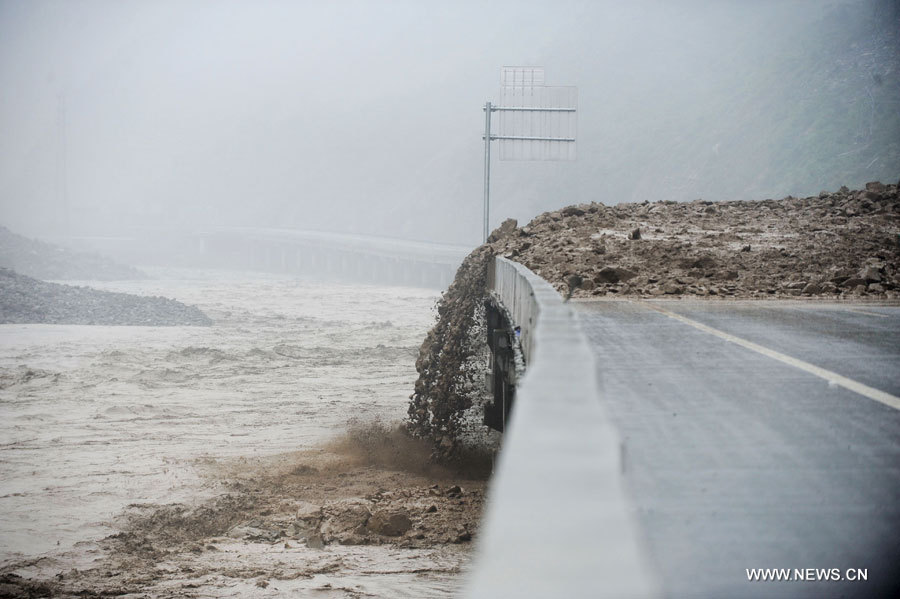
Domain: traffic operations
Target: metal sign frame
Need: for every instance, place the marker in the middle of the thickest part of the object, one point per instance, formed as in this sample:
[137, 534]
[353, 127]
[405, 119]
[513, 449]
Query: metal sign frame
[520, 78]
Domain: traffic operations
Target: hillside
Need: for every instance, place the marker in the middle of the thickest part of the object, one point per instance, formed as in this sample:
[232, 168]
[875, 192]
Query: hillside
[42, 260]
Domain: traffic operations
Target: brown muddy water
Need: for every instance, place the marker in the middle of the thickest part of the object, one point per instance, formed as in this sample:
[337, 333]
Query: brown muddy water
[239, 460]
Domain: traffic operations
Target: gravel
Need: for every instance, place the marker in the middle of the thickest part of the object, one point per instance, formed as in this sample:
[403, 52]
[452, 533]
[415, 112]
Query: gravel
[27, 300]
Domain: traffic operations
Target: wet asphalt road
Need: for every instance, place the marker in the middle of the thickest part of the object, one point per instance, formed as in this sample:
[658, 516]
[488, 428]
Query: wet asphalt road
[738, 459]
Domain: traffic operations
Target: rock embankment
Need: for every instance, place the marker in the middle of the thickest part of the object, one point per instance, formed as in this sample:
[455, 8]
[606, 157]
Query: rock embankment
[27, 300]
[844, 244]
[451, 376]
[43, 260]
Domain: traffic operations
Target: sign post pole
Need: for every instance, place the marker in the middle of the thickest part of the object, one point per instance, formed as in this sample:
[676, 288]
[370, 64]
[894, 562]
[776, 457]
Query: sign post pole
[487, 168]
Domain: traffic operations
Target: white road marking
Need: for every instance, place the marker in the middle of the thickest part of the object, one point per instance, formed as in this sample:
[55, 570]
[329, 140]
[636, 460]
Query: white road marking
[858, 311]
[807, 308]
[833, 378]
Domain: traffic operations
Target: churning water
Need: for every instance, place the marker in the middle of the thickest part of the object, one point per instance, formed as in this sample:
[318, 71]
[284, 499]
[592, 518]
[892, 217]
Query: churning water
[93, 419]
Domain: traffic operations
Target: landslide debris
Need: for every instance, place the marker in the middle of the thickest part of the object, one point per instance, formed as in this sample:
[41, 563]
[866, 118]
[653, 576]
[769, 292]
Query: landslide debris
[281, 518]
[837, 245]
[27, 300]
[451, 373]
[840, 245]
[43, 260]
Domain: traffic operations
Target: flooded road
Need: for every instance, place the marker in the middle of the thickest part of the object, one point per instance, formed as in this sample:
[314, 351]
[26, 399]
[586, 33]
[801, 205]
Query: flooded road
[95, 419]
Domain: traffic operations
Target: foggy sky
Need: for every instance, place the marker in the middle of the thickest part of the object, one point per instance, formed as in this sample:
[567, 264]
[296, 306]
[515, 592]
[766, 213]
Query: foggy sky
[362, 116]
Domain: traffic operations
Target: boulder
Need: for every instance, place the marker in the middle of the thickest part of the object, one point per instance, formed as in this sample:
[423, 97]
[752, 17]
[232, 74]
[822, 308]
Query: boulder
[672, 288]
[344, 517]
[462, 535]
[308, 518]
[853, 282]
[811, 289]
[614, 274]
[308, 511]
[573, 282]
[870, 274]
[389, 524]
[573, 211]
[505, 228]
[252, 531]
[454, 491]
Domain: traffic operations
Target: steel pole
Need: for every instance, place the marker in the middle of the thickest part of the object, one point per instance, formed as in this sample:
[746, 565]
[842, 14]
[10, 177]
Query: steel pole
[487, 167]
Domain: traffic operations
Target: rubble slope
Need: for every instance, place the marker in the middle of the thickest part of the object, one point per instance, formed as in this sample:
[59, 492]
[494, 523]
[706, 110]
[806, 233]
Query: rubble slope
[844, 244]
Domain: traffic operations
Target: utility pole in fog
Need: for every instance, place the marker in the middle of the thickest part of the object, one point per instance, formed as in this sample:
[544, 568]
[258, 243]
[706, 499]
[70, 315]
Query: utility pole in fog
[536, 122]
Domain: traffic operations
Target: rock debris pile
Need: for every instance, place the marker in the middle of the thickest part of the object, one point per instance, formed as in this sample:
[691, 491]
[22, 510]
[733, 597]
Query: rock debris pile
[27, 300]
[844, 244]
[281, 519]
[451, 371]
[413, 517]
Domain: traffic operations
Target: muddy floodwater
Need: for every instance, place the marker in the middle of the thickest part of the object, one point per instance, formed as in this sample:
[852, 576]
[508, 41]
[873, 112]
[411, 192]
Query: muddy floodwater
[176, 461]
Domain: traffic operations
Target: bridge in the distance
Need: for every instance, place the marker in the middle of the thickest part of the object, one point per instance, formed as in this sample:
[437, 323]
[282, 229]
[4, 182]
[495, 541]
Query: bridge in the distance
[341, 256]
[314, 254]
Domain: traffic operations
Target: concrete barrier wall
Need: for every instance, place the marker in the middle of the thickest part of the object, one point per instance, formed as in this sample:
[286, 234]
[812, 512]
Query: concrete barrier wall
[558, 521]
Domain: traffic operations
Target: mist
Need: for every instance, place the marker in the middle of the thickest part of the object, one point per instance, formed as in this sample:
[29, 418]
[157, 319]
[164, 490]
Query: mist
[255, 336]
[365, 117]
